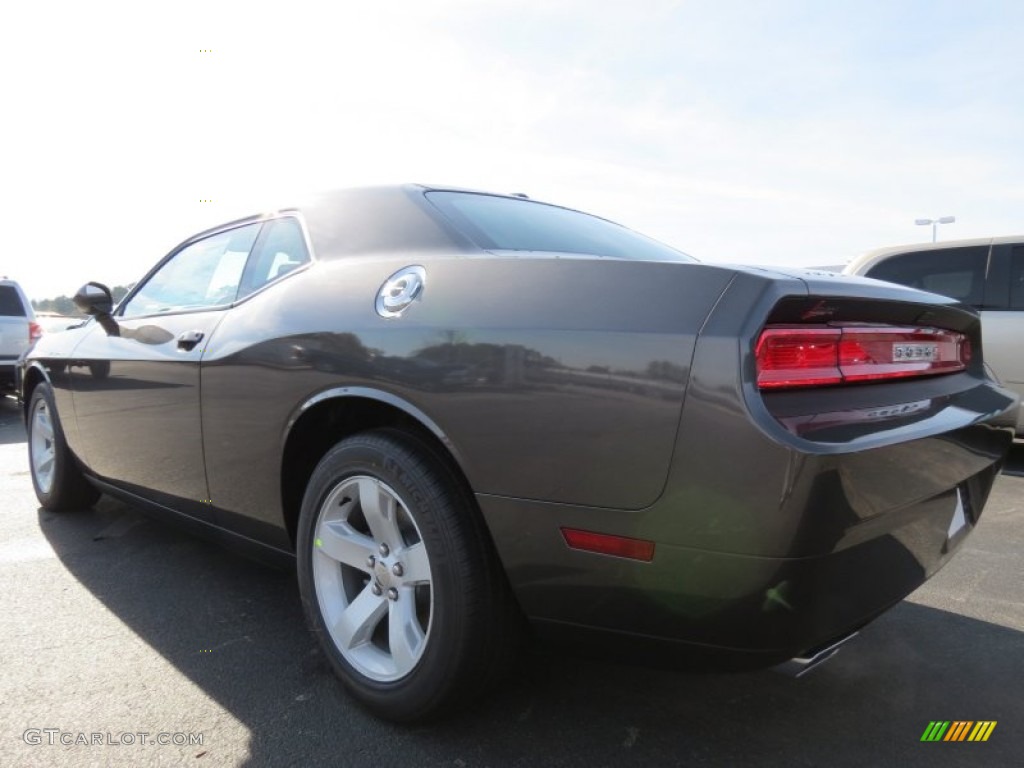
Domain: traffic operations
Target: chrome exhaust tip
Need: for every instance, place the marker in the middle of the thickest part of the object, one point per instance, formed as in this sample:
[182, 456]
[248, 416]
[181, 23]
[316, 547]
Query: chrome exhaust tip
[799, 666]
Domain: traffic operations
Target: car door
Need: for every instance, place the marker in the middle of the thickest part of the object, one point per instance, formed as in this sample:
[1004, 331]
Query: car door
[135, 377]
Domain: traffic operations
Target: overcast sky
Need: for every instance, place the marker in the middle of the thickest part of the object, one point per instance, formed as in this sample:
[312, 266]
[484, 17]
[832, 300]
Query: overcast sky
[772, 132]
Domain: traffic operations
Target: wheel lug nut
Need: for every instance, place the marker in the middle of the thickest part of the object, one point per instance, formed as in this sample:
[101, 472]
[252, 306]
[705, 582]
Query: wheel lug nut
[384, 550]
[392, 594]
[376, 589]
[371, 561]
[397, 569]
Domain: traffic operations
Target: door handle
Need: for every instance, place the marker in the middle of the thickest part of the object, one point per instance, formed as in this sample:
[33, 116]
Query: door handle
[189, 339]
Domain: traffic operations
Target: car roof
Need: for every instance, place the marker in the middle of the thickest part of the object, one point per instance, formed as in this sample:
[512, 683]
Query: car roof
[865, 261]
[348, 221]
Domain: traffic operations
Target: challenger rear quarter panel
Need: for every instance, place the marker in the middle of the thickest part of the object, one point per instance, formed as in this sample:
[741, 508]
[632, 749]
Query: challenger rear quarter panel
[553, 379]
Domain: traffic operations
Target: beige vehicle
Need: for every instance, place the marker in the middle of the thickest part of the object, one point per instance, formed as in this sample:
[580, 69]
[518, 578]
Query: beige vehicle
[986, 273]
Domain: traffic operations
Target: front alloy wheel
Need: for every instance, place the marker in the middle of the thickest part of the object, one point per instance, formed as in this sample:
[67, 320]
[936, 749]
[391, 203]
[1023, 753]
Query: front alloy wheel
[56, 477]
[398, 578]
[42, 445]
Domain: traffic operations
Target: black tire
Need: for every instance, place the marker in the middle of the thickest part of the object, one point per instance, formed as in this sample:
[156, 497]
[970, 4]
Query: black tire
[59, 484]
[473, 629]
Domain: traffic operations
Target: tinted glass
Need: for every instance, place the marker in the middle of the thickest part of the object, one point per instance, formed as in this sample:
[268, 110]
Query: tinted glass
[955, 272]
[1017, 278]
[280, 249]
[204, 274]
[502, 223]
[10, 302]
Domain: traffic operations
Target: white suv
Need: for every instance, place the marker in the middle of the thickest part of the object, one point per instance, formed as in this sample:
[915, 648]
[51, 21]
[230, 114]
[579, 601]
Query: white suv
[986, 273]
[18, 330]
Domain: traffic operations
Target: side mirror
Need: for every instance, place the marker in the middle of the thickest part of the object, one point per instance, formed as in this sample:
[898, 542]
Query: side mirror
[94, 299]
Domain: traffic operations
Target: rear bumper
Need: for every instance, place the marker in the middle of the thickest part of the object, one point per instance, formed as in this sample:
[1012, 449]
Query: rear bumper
[841, 558]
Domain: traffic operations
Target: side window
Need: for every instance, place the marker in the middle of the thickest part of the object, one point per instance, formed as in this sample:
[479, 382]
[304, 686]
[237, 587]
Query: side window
[955, 272]
[204, 274]
[1017, 278]
[280, 249]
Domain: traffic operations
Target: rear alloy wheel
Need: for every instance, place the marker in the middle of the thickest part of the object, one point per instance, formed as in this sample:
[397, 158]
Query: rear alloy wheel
[398, 579]
[372, 578]
[56, 477]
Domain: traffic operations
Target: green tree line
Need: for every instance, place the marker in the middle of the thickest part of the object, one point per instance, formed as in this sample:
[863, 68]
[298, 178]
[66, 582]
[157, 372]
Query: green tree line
[63, 305]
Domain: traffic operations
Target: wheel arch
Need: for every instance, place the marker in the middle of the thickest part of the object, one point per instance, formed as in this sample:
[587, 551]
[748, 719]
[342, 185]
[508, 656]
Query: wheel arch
[33, 376]
[329, 417]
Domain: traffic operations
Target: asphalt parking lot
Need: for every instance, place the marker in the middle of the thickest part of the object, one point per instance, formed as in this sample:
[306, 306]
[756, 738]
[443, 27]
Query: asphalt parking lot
[115, 624]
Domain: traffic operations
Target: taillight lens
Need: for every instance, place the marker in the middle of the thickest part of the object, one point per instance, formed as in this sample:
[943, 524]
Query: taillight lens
[35, 331]
[811, 356]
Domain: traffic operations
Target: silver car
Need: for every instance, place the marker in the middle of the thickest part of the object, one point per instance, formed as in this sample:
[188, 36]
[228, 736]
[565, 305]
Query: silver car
[985, 273]
[18, 330]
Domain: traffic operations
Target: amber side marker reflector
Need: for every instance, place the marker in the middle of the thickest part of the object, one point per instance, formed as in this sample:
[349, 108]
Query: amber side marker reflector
[606, 544]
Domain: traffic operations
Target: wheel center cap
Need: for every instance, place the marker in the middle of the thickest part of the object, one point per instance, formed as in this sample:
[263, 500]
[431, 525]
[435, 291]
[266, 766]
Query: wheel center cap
[382, 573]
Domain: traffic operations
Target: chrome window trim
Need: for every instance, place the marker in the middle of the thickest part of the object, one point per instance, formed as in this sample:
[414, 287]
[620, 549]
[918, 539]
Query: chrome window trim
[213, 232]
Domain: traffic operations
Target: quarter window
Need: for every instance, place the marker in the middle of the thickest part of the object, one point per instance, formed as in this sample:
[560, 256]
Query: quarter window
[204, 274]
[955, 272]
[280, 249]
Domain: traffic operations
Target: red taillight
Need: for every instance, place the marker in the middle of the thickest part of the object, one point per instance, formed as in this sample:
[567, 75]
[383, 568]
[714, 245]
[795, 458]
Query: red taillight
[801, 356]
[606, 544]
[35, 331]
[798, 357]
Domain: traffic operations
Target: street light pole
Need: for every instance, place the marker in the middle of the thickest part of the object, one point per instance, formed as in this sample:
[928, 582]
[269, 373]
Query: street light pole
[935, 223]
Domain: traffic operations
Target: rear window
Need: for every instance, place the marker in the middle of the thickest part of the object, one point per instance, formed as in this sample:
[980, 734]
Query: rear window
[955, 272]
[510, 224]
[10, 302]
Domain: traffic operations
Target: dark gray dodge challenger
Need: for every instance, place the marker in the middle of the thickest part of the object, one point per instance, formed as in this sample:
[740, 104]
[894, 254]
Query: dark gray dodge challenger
[453, 411]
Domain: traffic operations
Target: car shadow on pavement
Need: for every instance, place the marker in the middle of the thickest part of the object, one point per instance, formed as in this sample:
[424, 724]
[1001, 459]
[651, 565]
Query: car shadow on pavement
[12, 425]
[868, 706]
